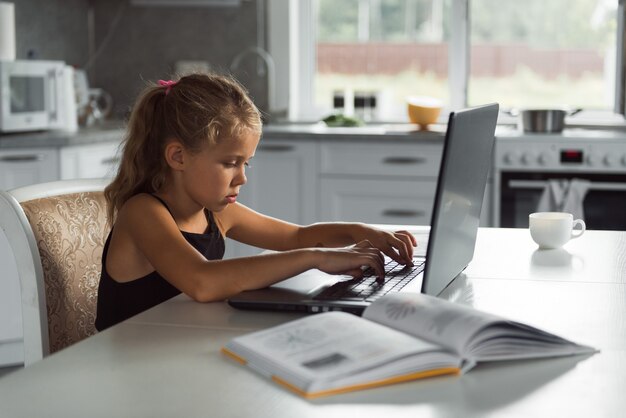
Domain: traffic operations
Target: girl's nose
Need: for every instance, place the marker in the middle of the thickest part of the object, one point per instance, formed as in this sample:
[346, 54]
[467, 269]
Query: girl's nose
[240, 179]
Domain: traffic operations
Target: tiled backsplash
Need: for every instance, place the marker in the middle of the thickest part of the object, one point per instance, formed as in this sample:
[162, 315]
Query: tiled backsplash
[144, 45]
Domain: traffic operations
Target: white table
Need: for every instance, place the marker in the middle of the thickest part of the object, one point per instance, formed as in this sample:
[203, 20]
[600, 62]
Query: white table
[166, 361]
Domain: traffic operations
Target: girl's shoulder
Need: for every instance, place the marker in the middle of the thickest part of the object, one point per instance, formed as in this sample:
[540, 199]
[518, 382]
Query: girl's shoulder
[234, 215]
[140, 201]
[141, 216]
[141, 205]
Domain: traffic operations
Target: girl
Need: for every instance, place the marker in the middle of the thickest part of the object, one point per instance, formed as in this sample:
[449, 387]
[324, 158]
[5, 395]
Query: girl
[174, 199]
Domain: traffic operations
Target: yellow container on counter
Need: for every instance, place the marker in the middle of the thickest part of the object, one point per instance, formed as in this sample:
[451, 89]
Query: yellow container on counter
[423, 111]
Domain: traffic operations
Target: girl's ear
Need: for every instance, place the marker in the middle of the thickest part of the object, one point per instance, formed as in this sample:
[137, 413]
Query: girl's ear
[175, 155]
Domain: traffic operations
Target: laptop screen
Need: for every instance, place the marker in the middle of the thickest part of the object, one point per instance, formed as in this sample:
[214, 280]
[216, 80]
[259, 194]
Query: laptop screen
[459, 198]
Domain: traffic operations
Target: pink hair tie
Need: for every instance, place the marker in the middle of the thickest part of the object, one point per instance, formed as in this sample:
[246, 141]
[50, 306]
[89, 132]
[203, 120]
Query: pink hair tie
[168, 84]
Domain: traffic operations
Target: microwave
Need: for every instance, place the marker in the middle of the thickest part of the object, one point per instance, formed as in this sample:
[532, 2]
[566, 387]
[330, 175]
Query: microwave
[34, 95]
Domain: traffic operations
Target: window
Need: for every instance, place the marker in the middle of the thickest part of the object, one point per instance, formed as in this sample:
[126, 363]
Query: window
[371, 55]
[366, 56]
[539, 53]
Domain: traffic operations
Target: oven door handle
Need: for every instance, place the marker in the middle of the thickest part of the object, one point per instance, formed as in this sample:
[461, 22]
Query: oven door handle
[541, 184]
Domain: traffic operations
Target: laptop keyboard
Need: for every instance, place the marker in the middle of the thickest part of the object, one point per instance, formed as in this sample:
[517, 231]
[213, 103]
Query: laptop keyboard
[369, 287]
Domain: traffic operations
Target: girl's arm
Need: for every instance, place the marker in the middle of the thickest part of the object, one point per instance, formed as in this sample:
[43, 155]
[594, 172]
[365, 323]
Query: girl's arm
[245, 225]
[147, 224]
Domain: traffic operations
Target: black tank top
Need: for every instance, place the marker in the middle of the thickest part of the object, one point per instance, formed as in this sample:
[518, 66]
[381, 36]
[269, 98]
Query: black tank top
[119, 301]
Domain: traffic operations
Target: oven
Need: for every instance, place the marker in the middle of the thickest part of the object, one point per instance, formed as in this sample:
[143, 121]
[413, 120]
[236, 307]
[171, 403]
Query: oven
[524, 166]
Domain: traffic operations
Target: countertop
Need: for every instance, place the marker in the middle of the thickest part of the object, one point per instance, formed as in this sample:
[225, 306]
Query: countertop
[115, 130]
[407, 133]
[395, 132]
[167, 362]
[107, 132]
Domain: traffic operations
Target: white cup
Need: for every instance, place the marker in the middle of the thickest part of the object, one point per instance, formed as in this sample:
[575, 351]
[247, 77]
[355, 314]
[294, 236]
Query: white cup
[553, 229]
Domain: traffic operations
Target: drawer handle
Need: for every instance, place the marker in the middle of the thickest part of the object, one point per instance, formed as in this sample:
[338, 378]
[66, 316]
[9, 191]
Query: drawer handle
[111, 161]
[276, 148]
[404, 213]
[404, 160]
[22, 158]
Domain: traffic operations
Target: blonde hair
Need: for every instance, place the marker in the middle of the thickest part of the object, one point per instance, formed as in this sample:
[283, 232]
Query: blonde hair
[197, 110]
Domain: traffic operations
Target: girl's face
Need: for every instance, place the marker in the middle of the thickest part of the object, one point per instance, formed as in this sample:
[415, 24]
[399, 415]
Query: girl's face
[214, 176]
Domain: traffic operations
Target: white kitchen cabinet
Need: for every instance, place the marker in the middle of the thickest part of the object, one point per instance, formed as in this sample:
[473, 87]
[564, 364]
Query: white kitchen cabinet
[380, 160]
[390, 183]
[21, 167]
[282, 183]
[90, 161]
[393, 183]
[378, 201]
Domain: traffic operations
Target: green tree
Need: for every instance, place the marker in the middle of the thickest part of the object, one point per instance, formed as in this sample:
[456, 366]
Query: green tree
[539, 23]
[543, 23]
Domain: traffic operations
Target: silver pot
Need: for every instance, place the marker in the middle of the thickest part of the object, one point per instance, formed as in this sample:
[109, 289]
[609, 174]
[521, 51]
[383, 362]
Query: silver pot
[544, 120]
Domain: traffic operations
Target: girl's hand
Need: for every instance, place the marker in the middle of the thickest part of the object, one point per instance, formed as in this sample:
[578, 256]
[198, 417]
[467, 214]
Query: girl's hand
[397, 245]
[350, 260]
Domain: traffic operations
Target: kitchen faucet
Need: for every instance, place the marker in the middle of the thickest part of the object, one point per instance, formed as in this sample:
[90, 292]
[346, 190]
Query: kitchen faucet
[271, 71]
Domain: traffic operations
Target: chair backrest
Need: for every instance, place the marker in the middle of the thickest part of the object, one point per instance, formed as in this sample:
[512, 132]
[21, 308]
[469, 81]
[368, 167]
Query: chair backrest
[57, 232]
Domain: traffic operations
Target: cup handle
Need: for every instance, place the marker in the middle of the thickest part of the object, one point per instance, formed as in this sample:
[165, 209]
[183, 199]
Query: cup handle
[583, 227]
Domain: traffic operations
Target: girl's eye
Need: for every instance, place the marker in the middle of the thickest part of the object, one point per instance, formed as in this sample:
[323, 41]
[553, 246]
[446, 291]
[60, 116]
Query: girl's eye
[235, 164]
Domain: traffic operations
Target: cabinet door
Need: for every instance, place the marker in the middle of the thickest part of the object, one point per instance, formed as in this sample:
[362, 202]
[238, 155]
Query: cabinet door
[376, 159]
[378, 201]
[282, 183]
[90, 161]
[24, 167]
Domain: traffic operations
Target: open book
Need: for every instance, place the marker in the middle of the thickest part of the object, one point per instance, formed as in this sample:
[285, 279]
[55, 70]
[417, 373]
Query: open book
[400, 337]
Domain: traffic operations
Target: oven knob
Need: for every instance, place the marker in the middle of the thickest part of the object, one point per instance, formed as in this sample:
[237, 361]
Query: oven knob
[593, 159]
[510, 157]
[610, 160]
[545, 158]
[528, 158]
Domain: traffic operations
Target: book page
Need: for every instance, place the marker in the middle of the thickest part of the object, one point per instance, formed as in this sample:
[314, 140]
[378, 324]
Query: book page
[436, 320]
[506, 340]
[326, 346]
[473, 335]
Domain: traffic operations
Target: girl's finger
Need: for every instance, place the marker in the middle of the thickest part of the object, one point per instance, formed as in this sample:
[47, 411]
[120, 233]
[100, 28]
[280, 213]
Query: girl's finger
[408, 240]
[391, 253]
[356, 273]
[403, 249]
[367, 262]
[410, 236]
[377, 265]
[363, 244]
[375, 251]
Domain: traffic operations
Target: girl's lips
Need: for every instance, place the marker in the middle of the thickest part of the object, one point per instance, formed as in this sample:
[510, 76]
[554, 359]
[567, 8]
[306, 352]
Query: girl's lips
[232, 198]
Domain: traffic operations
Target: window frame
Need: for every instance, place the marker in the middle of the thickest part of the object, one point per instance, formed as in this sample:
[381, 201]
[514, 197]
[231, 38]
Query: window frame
[296, 19]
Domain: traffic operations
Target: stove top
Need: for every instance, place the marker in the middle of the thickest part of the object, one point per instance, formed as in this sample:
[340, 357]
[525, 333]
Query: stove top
[573, 150]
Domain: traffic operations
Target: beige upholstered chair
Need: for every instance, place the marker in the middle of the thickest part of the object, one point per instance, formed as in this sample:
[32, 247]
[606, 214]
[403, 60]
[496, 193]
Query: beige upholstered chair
[57, 231]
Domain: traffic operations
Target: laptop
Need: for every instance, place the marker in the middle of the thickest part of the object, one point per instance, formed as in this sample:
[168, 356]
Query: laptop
[465, 163]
